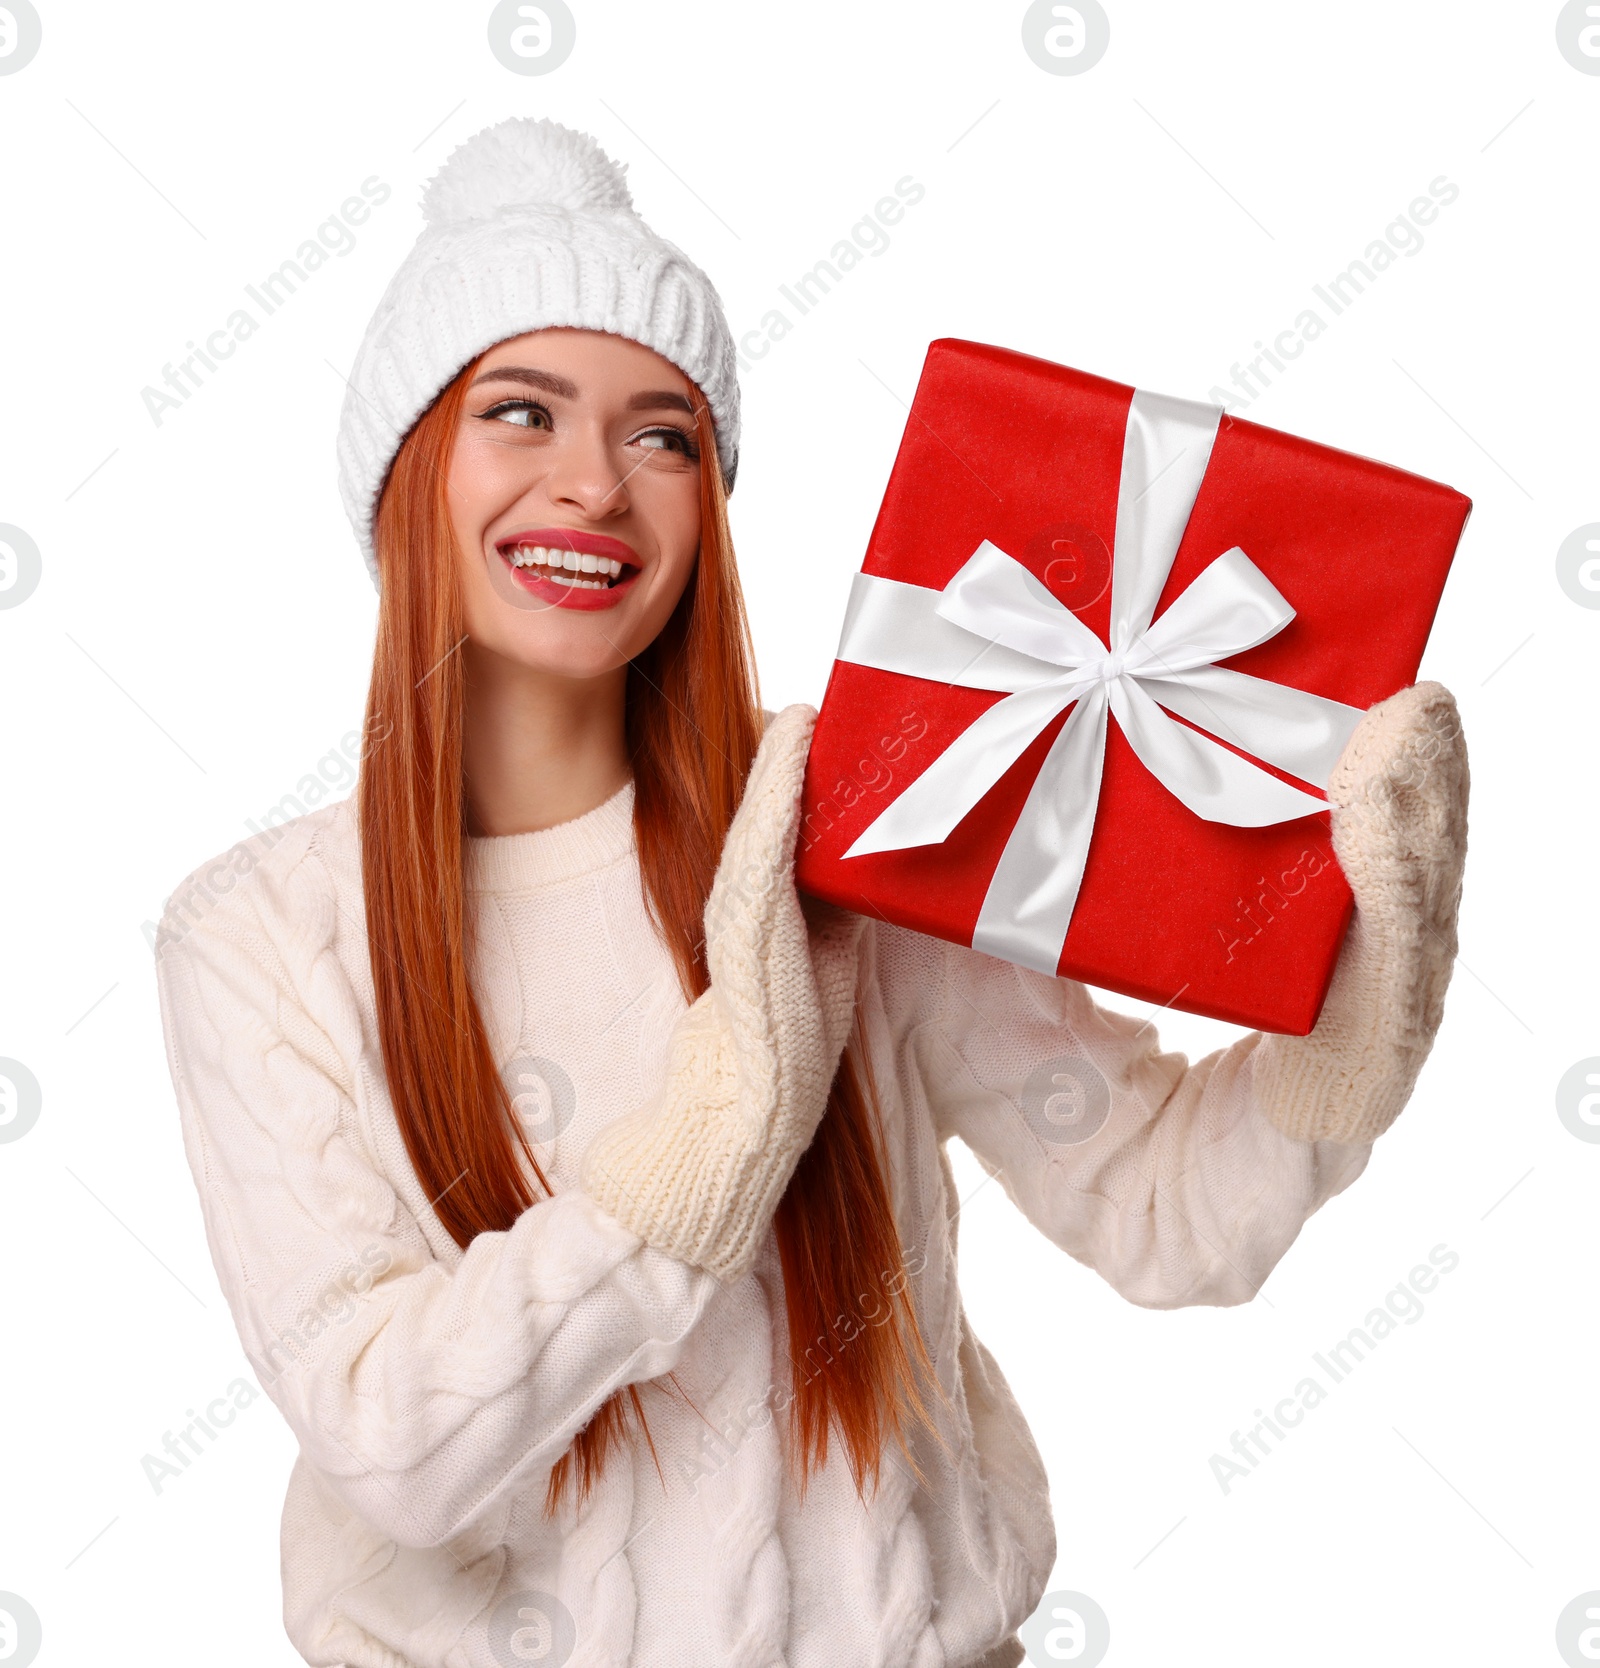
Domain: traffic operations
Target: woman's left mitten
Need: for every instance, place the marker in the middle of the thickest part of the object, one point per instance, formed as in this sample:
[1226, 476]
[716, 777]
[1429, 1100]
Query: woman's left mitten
[1400, 833]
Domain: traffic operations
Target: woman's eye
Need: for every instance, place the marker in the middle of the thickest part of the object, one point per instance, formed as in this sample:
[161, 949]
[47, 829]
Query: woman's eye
[522, 414]
[668, 439]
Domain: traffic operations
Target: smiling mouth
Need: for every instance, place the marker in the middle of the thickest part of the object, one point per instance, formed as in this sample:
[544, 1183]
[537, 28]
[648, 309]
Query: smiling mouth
[573, 569]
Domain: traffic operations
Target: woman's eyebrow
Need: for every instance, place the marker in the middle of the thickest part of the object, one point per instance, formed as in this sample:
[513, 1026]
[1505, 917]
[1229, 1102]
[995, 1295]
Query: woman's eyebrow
[547, 380]
[657, 398]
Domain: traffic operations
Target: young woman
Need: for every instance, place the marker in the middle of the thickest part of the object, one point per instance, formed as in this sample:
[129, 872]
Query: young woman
[579, 1192]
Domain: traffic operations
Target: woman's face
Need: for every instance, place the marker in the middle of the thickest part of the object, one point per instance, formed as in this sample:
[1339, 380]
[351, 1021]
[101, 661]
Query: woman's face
[575, 499]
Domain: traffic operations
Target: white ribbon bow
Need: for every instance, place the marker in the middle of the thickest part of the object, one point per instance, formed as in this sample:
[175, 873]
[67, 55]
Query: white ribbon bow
[995, 626]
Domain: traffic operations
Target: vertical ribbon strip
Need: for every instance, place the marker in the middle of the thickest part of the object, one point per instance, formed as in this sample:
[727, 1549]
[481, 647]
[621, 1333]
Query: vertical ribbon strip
[996, 627]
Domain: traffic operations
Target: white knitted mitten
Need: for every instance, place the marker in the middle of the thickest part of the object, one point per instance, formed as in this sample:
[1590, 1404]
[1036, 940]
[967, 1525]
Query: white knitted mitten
[1400, 834]
[699, 1171]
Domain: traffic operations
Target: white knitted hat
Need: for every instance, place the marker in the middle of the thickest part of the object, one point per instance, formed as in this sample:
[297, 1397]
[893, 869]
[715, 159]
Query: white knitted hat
[529, 225]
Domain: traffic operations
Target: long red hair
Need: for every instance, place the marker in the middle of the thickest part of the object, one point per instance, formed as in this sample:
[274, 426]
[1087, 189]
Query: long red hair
[693, 725]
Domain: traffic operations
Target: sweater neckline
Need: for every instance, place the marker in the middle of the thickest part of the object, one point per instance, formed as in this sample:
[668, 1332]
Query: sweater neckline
[515, 862]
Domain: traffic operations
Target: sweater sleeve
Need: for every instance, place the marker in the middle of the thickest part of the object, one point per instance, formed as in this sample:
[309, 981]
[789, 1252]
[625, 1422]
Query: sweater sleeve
[426, 1395]
[1166, 1178]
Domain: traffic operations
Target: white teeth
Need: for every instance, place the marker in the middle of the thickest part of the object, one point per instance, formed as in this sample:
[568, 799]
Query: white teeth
[566, 562]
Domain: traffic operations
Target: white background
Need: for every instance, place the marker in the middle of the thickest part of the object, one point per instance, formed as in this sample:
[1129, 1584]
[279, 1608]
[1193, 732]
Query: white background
[201, 635]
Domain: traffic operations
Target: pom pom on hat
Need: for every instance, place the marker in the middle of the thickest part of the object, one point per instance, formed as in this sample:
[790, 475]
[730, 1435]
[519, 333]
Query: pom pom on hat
[529, 226]
[521, 166]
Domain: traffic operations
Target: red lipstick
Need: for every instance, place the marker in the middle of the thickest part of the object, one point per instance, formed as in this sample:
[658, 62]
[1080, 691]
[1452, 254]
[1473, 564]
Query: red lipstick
[569, 538]
[562, 592]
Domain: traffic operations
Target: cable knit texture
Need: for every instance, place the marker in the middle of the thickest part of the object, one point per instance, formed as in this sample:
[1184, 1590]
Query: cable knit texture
[528, 225]
[1400, 834]
[751, 1061]
[432, 1389]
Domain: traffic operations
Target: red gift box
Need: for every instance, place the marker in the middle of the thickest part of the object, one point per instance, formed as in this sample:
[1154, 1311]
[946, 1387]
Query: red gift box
[1015, 480]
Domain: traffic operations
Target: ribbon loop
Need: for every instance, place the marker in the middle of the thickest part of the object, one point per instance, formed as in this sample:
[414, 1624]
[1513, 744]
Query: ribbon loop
[994, 596]
[1231, 607]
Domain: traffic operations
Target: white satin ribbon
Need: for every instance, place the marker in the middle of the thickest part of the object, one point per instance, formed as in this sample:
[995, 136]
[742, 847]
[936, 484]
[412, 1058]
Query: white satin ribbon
[995, 626]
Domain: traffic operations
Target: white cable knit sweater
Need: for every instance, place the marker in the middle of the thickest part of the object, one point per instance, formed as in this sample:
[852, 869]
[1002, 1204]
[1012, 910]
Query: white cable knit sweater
[432, 1389]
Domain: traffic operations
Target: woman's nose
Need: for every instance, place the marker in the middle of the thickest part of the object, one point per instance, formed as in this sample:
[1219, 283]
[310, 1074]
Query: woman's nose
[585, 473]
